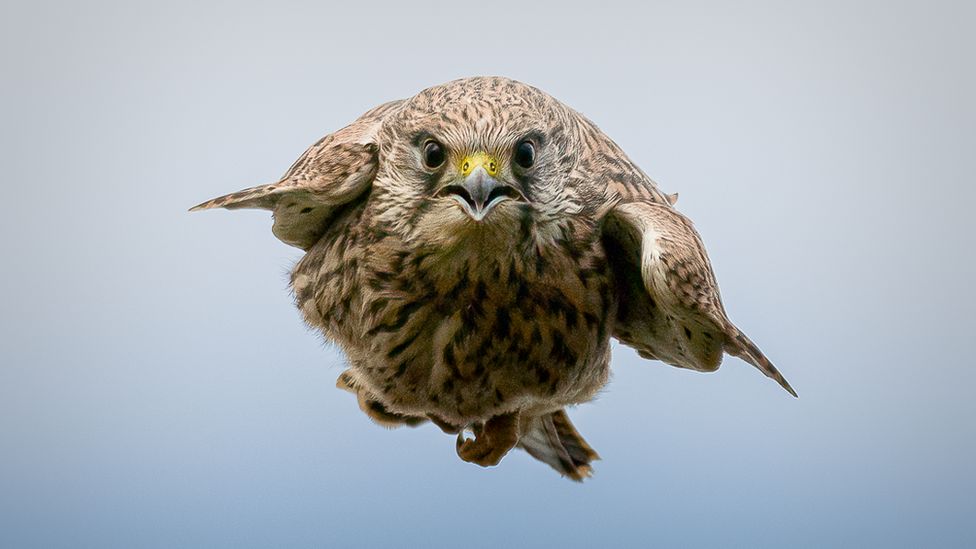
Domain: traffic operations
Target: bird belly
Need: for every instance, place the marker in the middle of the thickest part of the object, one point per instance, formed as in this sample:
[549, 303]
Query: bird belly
[469, 362]
[463, 352]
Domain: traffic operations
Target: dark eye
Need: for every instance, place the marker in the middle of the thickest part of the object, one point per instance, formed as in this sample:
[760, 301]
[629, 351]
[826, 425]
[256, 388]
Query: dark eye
[433, 154]
[525, 154]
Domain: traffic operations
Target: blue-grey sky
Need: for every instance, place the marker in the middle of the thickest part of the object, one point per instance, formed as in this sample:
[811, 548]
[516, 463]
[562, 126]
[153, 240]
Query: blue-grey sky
[158, 388]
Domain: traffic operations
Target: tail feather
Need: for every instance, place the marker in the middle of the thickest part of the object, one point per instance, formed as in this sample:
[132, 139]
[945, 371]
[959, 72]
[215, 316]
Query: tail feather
[743, 347]
[552, 439]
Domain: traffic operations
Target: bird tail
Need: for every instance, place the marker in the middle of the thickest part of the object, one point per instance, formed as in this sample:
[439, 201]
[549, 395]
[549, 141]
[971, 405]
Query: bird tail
[741, 346]
[552, 439]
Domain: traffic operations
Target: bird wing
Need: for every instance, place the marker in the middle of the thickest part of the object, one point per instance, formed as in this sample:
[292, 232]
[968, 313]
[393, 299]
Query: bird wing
[333, 172]
[670, 308]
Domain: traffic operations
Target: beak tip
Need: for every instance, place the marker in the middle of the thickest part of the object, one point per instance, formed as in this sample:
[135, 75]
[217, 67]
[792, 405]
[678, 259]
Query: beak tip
[480, 185]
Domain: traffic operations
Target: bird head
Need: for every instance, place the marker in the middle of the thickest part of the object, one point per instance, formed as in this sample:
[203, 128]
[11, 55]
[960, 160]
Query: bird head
[480, 157]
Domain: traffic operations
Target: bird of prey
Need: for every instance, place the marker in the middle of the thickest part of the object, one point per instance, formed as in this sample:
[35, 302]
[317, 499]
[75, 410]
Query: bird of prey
[473, 249]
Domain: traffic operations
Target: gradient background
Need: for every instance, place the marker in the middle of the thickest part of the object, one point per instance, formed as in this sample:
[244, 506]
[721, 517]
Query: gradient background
[158, 388]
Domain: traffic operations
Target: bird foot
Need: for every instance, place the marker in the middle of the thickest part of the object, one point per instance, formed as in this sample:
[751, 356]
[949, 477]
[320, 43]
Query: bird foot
[373, 408]
[492, 441]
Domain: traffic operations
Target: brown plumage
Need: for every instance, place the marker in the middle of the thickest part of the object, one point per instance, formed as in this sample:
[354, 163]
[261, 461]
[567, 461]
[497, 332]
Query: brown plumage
[473, 249]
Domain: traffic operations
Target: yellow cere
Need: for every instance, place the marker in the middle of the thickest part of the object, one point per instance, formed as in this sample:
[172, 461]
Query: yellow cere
[485, 160]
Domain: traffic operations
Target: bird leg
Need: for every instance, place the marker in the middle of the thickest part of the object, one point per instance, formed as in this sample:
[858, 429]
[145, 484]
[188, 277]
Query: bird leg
[373, 408]
[447, 427]
[377, 411]
[492, 441]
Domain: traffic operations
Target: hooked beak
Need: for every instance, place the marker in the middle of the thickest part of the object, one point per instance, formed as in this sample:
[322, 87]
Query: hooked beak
[479, 191]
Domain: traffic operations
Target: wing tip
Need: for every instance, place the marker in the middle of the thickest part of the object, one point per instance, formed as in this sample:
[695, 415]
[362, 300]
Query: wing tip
[202, 206]
[261, 196]
[748, 351]
[786, 385]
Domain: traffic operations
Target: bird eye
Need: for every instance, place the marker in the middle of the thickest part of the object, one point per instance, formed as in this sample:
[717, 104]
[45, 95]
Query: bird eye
[433, 154]
[525, 154]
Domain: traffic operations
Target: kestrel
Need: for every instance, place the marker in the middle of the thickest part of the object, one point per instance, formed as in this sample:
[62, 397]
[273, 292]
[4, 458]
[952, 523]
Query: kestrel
[473, 249]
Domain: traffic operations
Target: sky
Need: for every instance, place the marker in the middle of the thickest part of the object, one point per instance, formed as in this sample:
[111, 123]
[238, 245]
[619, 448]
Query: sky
[159, 389]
